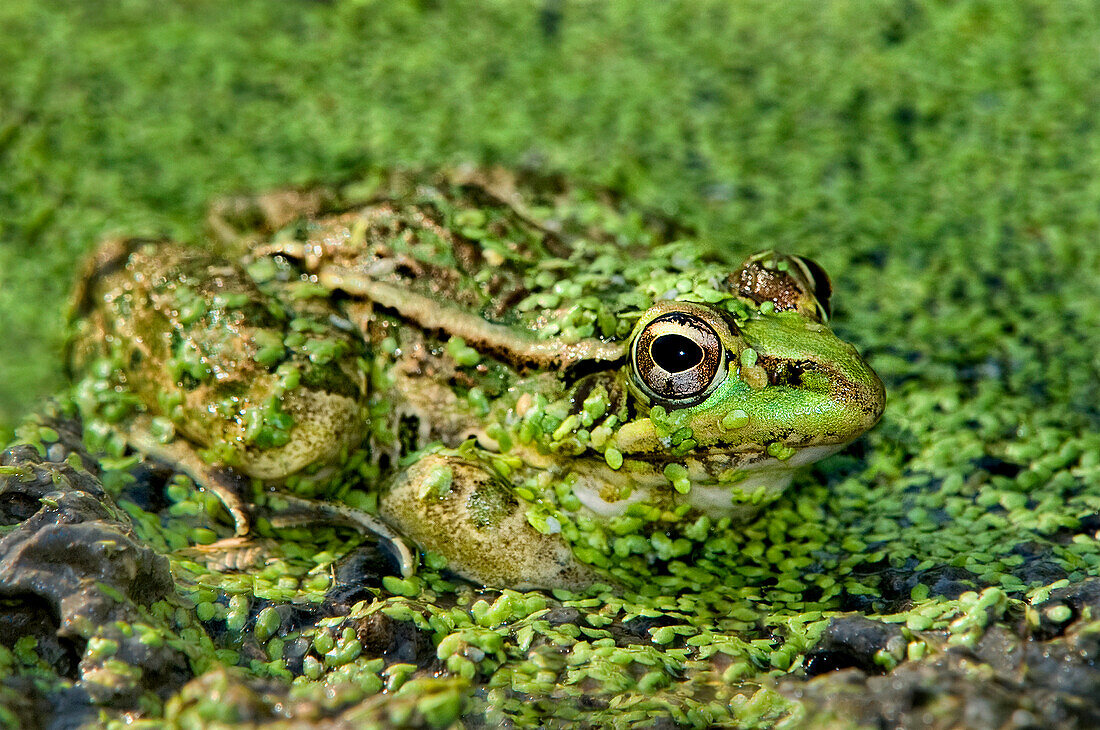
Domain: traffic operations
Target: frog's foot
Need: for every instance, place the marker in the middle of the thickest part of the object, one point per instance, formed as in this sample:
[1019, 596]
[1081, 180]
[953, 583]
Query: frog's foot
[232, 553]
[300, 511]
[460, 508]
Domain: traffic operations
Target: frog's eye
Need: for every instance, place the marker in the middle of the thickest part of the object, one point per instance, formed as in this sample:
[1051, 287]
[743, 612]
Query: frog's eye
[678, 359]
[816, 276]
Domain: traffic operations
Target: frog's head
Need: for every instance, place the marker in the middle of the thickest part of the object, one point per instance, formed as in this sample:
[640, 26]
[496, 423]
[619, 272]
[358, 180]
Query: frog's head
[745, 399]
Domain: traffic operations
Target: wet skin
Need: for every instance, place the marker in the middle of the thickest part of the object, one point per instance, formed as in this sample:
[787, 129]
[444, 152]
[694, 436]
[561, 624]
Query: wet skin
[514, 358]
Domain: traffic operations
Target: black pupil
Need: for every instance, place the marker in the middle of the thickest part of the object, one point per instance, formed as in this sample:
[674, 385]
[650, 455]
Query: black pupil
[675, 353]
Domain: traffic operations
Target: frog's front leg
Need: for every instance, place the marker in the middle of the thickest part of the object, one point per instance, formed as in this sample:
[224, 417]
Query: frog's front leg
[459, 507]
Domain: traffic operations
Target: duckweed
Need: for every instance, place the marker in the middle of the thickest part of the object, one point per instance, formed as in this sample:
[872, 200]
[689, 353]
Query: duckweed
[974, 301]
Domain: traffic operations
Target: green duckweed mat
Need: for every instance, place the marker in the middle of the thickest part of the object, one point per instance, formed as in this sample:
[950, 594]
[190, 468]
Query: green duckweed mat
[940, 160]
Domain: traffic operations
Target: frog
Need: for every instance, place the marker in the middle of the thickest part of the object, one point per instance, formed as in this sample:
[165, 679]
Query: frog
[524, 363]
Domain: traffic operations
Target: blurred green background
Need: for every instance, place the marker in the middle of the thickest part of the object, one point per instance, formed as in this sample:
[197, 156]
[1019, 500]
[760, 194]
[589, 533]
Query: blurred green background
[939, 158]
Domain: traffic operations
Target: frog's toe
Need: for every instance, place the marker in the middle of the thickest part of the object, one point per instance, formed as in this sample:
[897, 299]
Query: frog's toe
[232, 554]
[462, 510]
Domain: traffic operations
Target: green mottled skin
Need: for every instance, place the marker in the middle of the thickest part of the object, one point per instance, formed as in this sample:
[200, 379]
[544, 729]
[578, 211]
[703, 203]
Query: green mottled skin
[185, 331]
[496, 379]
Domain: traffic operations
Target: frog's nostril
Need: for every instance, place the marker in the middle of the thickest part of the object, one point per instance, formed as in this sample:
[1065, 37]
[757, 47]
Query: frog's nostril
[784, 372]
[675, 353]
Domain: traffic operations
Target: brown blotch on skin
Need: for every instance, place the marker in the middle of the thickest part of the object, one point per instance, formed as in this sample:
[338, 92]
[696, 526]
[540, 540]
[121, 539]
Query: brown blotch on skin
[765, 285]
[804, 287]
[790, 373]
[503, 303]
[785, 372]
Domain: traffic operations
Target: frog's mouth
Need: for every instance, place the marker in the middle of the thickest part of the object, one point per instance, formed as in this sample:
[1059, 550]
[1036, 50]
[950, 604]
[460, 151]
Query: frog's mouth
[746, 441]
[719, 484]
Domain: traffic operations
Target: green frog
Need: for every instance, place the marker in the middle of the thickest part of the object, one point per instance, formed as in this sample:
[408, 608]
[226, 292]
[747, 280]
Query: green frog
[520, 377]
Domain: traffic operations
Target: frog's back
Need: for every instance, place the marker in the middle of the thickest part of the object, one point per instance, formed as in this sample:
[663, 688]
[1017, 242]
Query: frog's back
[543, 259]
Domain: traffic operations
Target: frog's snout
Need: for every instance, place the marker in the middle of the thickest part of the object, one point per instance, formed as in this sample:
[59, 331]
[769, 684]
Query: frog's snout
[867, 399]
[856, 389]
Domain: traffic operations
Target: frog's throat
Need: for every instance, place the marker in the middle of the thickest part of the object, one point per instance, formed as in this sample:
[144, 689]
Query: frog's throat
[497, 340]
[756, 483]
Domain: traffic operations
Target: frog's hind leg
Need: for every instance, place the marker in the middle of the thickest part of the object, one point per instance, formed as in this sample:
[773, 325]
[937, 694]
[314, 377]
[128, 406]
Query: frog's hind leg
[228, 485]
[300, 511]
[232, 489]
[458, 506]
